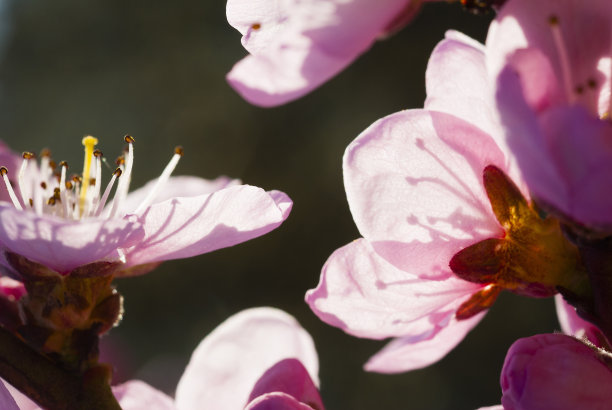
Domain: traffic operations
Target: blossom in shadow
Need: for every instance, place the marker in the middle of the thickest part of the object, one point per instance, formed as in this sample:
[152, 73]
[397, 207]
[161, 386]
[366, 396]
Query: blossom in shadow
[554, 371]
[63, 223]
[446, 222]
[258, 359]
[551, 65]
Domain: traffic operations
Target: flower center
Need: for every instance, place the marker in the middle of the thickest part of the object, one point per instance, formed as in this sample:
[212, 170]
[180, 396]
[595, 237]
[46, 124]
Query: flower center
[44, 189]
[533, 258]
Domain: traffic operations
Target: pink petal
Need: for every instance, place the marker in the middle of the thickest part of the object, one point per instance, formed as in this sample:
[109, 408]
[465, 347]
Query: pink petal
[414, 185]
[137, 395]
[574, 325]
[180, 186]
[584, 164]
[64, 245]
[524, 137]
[553, 371]
[187, 226]
[7, 401]
[560, 166]
[278, 401]
[585, 32]
[229, 361]
[456, 81]
[301, 44]
[365, 296]
[289, 376]
[418, 350]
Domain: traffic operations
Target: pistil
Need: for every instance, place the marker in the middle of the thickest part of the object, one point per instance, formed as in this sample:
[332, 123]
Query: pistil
[89, 142]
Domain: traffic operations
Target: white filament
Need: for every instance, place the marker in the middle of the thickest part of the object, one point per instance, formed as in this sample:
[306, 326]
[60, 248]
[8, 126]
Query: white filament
[20, 181]
[63, 193]
[11, 193]
[102, 202]
[566, 69]
[159, 183]
[124, 182]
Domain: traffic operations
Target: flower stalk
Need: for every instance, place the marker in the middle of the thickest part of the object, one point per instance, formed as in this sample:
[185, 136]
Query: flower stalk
[48, 384]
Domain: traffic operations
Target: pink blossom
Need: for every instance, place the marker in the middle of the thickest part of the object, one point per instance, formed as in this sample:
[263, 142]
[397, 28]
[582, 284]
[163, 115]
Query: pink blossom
[258, 359]
[295, 45]
[65, 224]
[551, 60]
[554, 371]
[414, 183]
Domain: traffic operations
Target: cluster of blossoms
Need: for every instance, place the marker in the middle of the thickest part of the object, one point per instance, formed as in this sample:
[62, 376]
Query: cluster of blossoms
[499, 183]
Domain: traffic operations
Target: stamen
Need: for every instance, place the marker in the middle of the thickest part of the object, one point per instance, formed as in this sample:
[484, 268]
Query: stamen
[9, 188]
[89, 142]
[98, 155]
[178, 153]
[566, 70]
[27, 156]
[124, 183]
[63, 185]
[102, 202]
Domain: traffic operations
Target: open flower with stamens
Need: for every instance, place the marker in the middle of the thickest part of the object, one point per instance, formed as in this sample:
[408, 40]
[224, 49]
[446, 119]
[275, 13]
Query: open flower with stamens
[446, 222]
[551, 63]
[63, 223]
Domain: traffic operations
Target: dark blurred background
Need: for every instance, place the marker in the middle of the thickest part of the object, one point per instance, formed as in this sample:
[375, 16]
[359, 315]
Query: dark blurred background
[155, 70]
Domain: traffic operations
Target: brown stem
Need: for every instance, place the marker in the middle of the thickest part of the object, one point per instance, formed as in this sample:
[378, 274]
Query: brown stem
[48, 384]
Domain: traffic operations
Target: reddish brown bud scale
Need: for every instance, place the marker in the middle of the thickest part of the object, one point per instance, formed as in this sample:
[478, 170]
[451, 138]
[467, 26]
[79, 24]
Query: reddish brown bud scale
[479, 301]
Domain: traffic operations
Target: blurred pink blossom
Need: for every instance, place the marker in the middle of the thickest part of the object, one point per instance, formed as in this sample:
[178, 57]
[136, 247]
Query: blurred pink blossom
[551, 63]
[554, 371]
[295, 45]
[168, 218]
[414, 183]
[258, 359]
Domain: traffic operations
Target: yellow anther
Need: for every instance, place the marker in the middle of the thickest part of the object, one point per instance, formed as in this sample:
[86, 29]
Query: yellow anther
[179, 150]
[89, 142]
[27, 155]
[3, 171]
